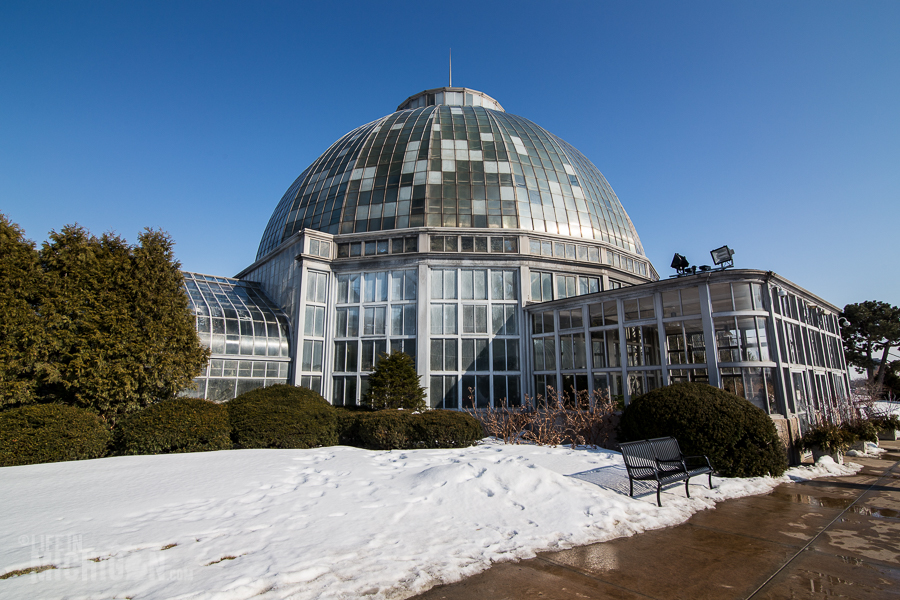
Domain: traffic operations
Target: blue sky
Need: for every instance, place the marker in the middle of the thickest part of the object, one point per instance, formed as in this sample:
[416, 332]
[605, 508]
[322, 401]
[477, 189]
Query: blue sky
[773, 127]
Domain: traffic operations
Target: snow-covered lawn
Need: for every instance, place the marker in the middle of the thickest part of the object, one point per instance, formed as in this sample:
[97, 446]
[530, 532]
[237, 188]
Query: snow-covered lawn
[332, 522]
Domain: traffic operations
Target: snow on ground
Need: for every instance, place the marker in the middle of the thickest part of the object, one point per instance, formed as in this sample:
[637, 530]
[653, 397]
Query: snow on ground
[870, 449]
[887, 408]
[332, 522]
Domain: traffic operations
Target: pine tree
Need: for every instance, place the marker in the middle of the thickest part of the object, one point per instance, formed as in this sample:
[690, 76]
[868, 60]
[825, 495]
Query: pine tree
[871, 328]
[21, 288]
[395, 384]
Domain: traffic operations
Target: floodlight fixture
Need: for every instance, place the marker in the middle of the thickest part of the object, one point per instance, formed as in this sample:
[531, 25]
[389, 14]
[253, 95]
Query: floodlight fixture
[680, 264]
[723, 257]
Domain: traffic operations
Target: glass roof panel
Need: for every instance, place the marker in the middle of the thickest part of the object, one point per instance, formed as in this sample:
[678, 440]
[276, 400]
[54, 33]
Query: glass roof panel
[452, 166]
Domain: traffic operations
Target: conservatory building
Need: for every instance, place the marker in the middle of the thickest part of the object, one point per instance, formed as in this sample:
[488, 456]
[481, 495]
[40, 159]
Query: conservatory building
[499, 258]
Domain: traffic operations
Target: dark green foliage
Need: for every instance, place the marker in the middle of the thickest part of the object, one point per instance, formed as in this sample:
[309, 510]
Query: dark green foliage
[887, 423]
[446, 429]
[40, 433]
[178, 425]
[395, 384]
[829, 437]
[21, 331]
[871, 329]
[385, 430]
[864, 430]
[404, 430]
[740, 439]
[94, 322]
[282, 416]
[121, 335]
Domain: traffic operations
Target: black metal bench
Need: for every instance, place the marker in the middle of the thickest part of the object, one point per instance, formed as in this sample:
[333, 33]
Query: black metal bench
[661, 460]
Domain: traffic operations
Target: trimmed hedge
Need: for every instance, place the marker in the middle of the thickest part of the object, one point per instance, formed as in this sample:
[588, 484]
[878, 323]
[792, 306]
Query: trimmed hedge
[178, 425]
[282, 416]
[41, 433]
[739, 438]
[404, 430]
[446, 429]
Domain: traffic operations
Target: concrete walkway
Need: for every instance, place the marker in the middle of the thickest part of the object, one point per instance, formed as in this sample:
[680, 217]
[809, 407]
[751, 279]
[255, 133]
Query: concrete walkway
[827, 538]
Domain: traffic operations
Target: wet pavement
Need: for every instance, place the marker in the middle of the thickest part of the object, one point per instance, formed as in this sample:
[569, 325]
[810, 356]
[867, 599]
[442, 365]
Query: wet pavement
[836, 537]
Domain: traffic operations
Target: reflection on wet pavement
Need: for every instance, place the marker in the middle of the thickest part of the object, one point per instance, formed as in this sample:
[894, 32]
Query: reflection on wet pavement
[840, 503]
[817, 539]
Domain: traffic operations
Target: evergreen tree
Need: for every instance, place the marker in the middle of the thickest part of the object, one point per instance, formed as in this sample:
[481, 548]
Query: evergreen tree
[94, 322]
[395, 384]
[868, 329]
[168, 352]
[121, 335]
[21, 330]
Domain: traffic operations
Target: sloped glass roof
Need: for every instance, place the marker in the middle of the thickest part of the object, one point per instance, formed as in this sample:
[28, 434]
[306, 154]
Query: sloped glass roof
[235, 317]
[452, 166]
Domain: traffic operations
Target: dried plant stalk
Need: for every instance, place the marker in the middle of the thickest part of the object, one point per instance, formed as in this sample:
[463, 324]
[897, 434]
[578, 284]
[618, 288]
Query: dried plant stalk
[559, 418]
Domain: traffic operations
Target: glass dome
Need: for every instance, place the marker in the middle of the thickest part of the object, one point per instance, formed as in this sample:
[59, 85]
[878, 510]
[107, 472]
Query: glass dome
[447, 160]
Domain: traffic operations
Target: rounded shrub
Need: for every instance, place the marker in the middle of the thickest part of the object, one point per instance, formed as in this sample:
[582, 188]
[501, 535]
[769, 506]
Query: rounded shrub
[282, 416]
[739, 438]
[41, 433]
[405, 430]
[177, 425]
[388, 429]
[446, 429]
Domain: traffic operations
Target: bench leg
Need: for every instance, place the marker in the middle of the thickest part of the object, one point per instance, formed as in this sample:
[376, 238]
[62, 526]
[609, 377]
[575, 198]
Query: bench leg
[630, 487]
[710, 481]
[658, 500]
[687, 490]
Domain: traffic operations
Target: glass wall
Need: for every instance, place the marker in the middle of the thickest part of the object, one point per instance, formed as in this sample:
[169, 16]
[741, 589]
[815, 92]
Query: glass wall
[313, 345]
[474, 345]
[375, 313]
[722, 334]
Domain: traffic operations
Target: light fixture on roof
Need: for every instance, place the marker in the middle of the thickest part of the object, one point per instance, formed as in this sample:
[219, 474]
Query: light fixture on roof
[722, 257]
[682, 266]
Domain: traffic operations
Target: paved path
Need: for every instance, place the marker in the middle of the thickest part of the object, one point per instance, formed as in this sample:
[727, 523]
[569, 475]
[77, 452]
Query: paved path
[826, 538]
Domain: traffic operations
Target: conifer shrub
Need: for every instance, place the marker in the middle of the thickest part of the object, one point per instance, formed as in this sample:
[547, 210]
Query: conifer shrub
[177, 425]
[385, 430]
[886, 423]
[739, 438]
[828, 437]
[446, 429]
[395, 384]
[406, 430]
[282, 416]
[41, 433]
[865, 430]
